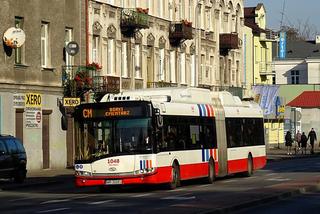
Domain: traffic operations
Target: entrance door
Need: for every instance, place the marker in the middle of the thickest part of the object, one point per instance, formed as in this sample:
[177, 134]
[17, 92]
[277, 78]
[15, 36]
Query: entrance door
[45, 139]
[19, 124]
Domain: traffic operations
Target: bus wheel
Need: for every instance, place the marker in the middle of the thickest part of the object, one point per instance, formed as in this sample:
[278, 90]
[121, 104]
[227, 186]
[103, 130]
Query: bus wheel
[211, 172]
[250, 167]
[175, 177]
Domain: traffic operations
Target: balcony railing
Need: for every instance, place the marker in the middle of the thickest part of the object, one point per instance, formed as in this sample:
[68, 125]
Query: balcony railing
[265, 68]
[268, 36]
[133, 19]
[180, 31]
[106, 84]
[161, 84]
[229, 41]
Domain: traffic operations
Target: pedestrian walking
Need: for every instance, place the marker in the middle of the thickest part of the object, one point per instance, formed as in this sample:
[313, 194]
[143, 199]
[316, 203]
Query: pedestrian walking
[304, 141]
[289, 141]
[298, 139]
[312, 136]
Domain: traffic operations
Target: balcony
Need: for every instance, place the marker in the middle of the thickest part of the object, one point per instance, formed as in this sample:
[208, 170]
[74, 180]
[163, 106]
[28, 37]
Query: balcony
[229, 41]
[133, 20]
[268, 36]
[161, 84]
[106, 84]
[180, 31]
[77, 80]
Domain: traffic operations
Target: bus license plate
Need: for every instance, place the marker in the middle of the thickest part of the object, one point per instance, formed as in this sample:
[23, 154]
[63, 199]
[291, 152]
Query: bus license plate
[113, 182]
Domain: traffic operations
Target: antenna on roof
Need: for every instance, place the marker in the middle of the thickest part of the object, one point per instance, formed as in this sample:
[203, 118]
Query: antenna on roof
[282, 13]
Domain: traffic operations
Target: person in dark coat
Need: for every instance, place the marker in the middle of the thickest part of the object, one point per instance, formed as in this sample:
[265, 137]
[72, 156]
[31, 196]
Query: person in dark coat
[312, 136]
[304, 141]
[289, 141]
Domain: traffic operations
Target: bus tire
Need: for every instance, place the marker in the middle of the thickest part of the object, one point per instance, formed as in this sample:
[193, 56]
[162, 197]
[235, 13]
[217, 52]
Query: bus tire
[249, 172]
[211, 172]
[175, 177]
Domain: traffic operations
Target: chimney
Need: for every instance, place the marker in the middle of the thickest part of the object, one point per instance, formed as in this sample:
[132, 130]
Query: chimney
[318, 39]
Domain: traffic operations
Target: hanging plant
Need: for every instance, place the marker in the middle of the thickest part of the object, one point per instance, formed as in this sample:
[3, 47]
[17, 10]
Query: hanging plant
[94, 66]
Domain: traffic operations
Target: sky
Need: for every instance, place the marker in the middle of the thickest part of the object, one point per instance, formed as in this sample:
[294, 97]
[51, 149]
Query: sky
[295, 12]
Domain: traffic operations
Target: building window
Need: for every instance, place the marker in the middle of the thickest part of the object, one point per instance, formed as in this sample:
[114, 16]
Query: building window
[190, 10]
[212, 71]
[161, 64]
[181, 10]
[45, 45]
[182, 68]
[160, 8]
[173, 66]
[124, 61]
[68, 38]
[137, 56]
[295, 77]
[18, 52]
[111, 56]
[95, 49]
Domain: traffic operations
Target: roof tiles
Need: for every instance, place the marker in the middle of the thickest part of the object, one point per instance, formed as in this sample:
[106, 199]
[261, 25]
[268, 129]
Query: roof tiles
[307, 99]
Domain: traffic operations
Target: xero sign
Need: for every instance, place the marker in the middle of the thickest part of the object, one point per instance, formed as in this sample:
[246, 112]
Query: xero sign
[33, 100]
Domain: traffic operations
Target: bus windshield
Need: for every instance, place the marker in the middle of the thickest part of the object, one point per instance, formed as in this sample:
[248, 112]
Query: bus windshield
[105, 138]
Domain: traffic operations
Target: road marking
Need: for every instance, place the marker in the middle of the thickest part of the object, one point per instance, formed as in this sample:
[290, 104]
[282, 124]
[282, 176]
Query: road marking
[100, 202]
[205, 185]
[271, 174]
[54, 210]
[177, 190]
[20, 199]
[55, 201]
[278, 179]
[228, 181]
[141, 195]
[179, 198]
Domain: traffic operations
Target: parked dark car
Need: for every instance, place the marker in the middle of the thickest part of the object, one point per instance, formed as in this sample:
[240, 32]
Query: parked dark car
[13, 159]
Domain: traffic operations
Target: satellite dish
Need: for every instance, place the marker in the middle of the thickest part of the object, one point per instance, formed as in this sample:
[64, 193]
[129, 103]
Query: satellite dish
[72, 48]
[14, 37]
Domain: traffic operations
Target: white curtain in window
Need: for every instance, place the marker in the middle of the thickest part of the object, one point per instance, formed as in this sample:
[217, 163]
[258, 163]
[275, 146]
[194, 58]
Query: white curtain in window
[137, 61]
[111, 57]
[173, 66]
[161, 64]
[183, 68]
[124, 60]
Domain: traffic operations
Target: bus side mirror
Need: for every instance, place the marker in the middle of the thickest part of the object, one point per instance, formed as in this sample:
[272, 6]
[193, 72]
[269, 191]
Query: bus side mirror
[159, 118]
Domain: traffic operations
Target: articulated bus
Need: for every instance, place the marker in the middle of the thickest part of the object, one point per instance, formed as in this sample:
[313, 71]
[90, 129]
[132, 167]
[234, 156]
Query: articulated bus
[166, 135]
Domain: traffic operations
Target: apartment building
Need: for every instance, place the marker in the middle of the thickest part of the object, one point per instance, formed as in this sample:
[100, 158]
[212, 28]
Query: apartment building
[258, 42]
[148, 43]
[30, 75]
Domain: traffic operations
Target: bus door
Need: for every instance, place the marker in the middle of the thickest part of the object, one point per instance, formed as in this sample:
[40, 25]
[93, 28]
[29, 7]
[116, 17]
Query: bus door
[222, 144]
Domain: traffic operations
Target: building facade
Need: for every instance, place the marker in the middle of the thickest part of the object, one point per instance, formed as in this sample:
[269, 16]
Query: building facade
[170, 43]
[258, 41]
[30, 76]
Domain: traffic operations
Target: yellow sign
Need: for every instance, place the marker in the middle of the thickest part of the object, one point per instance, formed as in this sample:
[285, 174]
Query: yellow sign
[33, 100]
[71, 102]
[116, 111]
[281, 109]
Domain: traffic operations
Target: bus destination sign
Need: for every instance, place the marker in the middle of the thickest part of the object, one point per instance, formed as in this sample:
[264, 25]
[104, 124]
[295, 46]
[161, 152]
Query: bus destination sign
[90, 113]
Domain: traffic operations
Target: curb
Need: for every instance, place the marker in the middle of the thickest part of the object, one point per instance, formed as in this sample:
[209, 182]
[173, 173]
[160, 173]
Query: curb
[264, 200]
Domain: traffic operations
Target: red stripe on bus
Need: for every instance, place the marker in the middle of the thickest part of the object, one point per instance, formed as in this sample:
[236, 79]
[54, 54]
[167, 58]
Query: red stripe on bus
[208, 110]
[241, 165]
[212, 111]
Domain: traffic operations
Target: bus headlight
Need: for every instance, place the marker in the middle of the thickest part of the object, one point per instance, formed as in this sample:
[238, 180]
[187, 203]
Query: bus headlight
[83, 173]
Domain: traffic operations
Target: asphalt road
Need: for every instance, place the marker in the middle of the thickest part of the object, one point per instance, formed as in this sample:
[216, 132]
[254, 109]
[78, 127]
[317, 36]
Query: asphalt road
[279, 182]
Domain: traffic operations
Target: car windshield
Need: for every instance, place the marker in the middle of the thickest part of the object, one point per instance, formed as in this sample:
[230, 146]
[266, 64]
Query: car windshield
[105, 138]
